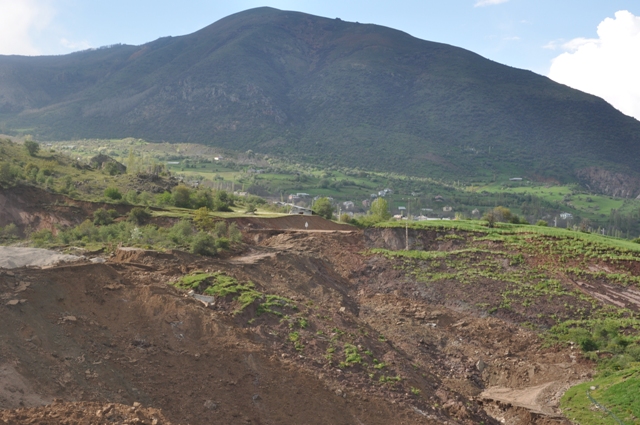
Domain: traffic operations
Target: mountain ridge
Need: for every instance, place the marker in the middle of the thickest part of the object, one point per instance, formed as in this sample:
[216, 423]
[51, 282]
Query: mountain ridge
[322, 90]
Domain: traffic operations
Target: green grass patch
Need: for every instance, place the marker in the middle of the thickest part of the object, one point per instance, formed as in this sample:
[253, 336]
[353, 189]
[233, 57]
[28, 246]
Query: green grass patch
[243, 293]
[618, 392]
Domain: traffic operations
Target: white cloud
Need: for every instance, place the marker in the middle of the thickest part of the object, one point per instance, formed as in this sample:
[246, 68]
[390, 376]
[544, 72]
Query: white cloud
[19, 21]
[481, 3]
[75, 46]
[607, 66]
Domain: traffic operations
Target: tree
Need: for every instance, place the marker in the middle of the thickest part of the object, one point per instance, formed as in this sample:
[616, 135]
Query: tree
[323, 208]
[380, 209]
[32, 147]
[181, 195]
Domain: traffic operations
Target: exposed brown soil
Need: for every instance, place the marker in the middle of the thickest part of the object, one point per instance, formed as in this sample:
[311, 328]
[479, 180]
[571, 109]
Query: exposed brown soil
[36, 209]
[86, 336]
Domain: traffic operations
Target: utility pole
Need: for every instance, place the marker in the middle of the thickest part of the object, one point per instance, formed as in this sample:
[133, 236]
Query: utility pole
[406, 226]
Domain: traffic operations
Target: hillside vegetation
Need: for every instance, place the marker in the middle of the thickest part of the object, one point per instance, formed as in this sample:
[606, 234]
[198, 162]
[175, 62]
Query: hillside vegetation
[327, 91]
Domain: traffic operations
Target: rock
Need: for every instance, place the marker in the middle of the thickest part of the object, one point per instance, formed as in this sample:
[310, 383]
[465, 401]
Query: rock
[480, 365]
[136, 404]
[22, 287]
[98, 260]
[256, 397]
[343, 309]
[209, 404]
[592, 388]
[69, 318]
[13, 302]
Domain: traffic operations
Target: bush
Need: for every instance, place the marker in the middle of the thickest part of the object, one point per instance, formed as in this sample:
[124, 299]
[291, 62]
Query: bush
[113, 193]
[222, 201]
[102, 217]
[204, 244]
[202, 199]
[345, 218]
[41, 237]
[223, 244]
[139, 215]
[542, 223]
[32, 147]
[10, 231]
[202, 219]
[164, 198]
[181, 196]
[180, 232]
[588, 344]
[132, 197]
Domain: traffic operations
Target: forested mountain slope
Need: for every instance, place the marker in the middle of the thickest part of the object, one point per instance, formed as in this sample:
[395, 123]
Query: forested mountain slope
[326, 90]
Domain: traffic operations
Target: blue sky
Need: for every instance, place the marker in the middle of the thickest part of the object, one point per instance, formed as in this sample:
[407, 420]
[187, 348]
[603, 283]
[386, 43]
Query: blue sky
[526, 34]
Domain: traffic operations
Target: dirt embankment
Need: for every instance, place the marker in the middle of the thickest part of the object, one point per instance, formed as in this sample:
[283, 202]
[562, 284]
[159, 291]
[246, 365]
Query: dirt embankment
[291, 222]
[36, 209]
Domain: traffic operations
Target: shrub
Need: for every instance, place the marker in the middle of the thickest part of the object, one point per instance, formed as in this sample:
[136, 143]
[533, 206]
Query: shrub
[139, 215]
[223, 244]
[588, 344]
[180, 232]
[202, 219]
[102, 217]
[131, 197]
[113, 193]
[542, 223]
[202, 199]
[181, 196]
[41, 237]
[164, 198]
[234, 234]
[204, 244]
[111, 168]
[32, 147]
[222, 202]
[10, 231]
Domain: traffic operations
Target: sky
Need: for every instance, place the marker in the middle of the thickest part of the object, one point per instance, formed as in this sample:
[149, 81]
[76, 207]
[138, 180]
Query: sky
[591, 45]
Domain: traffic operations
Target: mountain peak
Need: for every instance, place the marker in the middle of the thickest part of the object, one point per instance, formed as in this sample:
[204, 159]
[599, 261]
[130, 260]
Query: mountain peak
[326, 90]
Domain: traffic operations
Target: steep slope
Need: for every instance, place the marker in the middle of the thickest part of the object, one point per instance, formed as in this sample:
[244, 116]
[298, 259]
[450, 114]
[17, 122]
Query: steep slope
[325, 90]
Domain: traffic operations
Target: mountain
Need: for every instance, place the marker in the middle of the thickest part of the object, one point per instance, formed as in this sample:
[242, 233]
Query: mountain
[327, 91]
